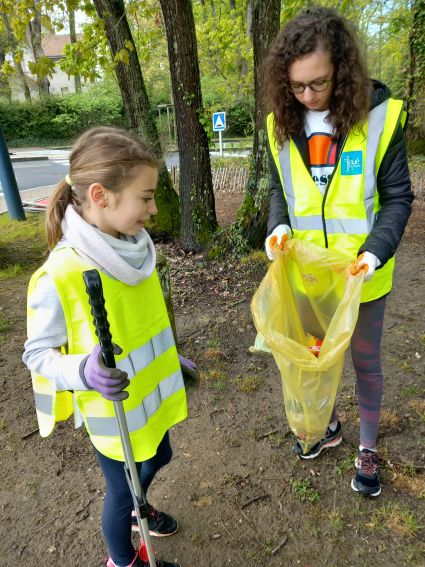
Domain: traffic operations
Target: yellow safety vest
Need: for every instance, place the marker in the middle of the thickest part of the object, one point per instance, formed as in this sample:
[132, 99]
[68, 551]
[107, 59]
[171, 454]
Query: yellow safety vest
[139, 324]
[343, 217]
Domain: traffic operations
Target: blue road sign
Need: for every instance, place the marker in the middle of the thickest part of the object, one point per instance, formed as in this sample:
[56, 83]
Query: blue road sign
[219, 121]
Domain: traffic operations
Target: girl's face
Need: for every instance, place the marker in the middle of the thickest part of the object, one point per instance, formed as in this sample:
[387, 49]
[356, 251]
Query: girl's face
[312, 74]
[127, 211]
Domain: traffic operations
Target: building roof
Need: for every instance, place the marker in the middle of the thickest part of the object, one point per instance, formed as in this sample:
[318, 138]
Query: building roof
[53, 44]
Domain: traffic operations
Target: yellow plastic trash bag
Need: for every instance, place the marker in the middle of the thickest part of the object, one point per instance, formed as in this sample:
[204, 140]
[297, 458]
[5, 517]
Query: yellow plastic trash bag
[308, 290]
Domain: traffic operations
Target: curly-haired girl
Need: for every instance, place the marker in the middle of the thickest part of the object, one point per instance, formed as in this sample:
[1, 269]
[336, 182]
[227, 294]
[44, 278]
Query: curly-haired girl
[339, 179]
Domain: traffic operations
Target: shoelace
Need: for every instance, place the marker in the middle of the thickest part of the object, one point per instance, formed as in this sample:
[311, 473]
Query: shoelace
[368, 463]
[154, 513]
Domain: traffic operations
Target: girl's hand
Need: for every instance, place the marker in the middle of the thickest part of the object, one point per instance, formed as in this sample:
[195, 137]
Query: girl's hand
[277, 238]
[110, 382]
[188, 367]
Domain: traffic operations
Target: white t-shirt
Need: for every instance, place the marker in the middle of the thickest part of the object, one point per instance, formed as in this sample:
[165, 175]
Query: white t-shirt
[322, 147]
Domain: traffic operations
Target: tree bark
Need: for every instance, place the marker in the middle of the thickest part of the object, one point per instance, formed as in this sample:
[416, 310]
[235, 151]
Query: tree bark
[416, 76]
[196, 189]
[35, 36]
[254, 211]
[73, 39]
[4, 80]
[136, 104]
[18, 66]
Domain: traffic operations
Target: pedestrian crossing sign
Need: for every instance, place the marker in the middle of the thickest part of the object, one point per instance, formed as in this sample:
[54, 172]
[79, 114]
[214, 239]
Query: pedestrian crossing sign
[219, 121]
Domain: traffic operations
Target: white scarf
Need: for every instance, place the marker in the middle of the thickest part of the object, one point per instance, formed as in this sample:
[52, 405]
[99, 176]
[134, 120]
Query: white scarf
[129, 259]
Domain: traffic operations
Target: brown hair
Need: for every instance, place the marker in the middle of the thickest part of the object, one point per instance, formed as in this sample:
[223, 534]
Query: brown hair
[317, 28]
[109, 156]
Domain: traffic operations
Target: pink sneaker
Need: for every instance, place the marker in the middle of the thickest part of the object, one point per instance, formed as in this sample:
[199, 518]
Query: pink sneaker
[138, 562]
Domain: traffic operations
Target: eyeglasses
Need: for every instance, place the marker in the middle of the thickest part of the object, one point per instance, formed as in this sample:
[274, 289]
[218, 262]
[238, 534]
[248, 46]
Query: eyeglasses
[316, 86]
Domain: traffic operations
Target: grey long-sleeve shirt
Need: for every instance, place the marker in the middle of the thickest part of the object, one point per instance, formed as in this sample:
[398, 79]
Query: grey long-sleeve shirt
[42, 350]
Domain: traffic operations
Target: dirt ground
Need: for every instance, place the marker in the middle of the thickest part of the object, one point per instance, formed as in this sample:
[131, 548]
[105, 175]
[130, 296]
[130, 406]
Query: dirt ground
[240, 496]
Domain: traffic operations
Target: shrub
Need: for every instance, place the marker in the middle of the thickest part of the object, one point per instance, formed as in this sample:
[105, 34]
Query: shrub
[59, 118]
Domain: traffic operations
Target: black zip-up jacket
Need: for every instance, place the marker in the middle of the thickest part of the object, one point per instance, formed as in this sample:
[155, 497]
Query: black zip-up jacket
[393, 184]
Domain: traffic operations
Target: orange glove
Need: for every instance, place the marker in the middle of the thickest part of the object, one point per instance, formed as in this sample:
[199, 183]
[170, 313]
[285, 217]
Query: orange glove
[366, 262]
[273, 242]
[277, 239]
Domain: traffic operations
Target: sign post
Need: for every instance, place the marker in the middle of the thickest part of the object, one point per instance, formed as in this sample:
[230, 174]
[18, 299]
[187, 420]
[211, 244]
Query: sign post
[219, 124]
[8, 181]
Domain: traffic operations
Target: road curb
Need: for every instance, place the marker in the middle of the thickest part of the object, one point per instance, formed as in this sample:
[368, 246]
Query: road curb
[27, 158]
[29, 196]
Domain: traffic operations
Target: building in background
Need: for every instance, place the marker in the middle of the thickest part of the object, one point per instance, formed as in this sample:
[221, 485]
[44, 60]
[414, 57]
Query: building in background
[59, 83]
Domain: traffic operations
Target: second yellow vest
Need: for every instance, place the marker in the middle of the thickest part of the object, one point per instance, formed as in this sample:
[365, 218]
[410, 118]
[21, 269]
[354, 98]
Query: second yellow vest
[341, 219]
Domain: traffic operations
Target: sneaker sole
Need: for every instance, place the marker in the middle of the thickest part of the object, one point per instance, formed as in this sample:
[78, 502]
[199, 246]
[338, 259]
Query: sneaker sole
[135, 528]
[362, 492]
[334, 443]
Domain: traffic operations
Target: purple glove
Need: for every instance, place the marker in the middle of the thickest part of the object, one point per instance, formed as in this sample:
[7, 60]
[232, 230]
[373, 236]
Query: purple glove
[110, 382]
[188, 367]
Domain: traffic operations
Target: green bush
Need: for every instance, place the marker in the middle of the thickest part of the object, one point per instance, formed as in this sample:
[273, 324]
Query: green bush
[239, 120]
[59, 118]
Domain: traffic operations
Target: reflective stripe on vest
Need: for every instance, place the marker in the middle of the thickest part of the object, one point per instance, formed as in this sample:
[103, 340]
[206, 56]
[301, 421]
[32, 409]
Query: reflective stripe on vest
[376, 122]
[146, 354]
[138, 417]
[44, 403]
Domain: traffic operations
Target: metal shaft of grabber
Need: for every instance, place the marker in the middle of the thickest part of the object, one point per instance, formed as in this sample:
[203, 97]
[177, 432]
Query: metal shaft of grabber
[100, 320]
[139, 499]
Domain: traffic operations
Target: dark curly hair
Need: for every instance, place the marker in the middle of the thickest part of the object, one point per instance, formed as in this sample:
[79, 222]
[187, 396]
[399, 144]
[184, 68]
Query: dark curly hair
[322, 28]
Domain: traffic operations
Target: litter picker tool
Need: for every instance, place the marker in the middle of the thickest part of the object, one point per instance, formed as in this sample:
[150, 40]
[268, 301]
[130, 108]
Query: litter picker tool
[100, 319]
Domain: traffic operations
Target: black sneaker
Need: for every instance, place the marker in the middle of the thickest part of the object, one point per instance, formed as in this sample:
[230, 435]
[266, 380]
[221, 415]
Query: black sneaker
[160, 524]
[331, 439]
[366, 479]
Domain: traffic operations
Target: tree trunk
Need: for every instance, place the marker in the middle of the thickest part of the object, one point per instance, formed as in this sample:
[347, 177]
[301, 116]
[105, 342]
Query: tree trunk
[35, 35]
[254, 211]
[196, 189]
[18, 66]
[416, 77]
[136, 104]
[73, 39]
[4, 80]
[244, 61]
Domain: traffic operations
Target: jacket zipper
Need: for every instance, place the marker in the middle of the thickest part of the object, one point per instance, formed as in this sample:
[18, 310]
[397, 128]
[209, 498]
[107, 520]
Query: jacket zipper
[325, 234]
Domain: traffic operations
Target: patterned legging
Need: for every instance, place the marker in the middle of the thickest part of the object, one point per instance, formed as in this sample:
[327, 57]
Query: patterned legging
[366, 355]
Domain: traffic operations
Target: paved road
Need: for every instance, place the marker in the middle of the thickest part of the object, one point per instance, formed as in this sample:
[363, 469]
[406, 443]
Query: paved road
[41, 173]
[30, 174]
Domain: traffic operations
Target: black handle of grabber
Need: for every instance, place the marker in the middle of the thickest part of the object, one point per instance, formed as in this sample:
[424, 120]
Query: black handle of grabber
[100, 319]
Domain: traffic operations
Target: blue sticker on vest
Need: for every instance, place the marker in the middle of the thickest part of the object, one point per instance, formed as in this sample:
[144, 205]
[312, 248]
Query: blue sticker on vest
[352, 163]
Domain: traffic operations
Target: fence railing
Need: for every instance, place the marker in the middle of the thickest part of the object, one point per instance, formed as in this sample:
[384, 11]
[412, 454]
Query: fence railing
[225, 179]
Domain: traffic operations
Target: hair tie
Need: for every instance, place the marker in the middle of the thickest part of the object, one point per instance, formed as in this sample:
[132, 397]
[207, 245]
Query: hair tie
[68, 180]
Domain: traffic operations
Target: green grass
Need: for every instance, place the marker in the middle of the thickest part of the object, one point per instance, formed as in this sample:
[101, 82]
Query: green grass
[411, 391]
[12, 230]
[304, 491]
[4, 325]
[397, 519]
[22, 245]
[346, 465]
[256, 257]
[229, 161]
[248, 384]
[10, 272]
